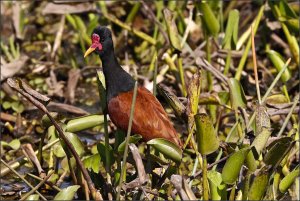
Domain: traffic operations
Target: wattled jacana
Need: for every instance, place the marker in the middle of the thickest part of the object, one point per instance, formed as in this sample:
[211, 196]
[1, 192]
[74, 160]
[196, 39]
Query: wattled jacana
[149, 120]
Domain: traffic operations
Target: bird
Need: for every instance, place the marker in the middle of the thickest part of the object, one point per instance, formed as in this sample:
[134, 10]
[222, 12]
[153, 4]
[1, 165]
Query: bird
[150, 119]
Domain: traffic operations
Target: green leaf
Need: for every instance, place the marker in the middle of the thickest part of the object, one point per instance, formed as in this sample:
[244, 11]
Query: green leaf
[207, 139]
[33, 197]
[101, 151]
[278, 63]
[15, 144]
[132, 139]
[85, 122]
[217, 187]
[77, 144]
[172, 29]
[277, 150]
[6, 105]
[92, 162]
[210, 21]
[260, 141]
[231, 34]
[167, 148]
[67, 193]
[237, 95]
[233, 166]
[288, 180]
[17, 106]
[259, 185]
[250, 160]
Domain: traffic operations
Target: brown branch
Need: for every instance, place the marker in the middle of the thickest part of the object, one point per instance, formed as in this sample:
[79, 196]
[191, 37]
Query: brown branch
[16, 86]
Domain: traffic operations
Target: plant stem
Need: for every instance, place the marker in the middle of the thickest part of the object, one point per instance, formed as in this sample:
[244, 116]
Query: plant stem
[127, 140]
[204, 180]
[245, 55]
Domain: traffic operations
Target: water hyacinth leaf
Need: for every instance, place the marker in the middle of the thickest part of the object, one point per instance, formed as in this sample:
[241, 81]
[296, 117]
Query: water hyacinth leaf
[262, 119]
[85, 122]
[258, 186]
[67, 193]
[233, 166]
[76, 142]
[14, 144]
[260, 141]
[92, 162]
[101, 89]
[237, 95]
[132, 139]
[209, 99]
[101, 150]
[288, 180]
[276, 99]
[172, 29]
[167, 148]
[211, 23]
[217, 187]
[207, 139]
[33, 197]
[278, 63]
[193, 98]
[46, 121]
[277, 150]
[65, 164]
[250, 160]
[231, 34]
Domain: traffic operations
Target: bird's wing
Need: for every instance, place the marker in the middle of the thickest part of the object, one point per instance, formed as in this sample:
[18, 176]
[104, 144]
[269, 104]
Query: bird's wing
[150, 120]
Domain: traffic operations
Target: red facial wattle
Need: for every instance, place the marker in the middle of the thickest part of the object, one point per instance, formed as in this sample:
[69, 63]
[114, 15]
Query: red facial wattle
[95, 42]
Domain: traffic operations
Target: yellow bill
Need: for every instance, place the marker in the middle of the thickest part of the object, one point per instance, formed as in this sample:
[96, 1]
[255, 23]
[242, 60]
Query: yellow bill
[89, 51]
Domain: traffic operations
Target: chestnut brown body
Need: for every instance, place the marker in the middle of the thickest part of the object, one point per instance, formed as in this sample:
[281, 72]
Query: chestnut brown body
[149, 120]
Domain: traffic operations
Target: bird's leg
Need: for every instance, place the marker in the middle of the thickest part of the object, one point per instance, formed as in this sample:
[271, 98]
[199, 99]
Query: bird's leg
[149, 161]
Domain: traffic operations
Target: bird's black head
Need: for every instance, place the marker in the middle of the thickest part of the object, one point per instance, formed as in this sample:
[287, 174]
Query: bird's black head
[102, 42]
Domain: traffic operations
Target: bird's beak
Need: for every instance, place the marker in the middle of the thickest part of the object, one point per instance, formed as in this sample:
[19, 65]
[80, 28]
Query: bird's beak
[89, 51]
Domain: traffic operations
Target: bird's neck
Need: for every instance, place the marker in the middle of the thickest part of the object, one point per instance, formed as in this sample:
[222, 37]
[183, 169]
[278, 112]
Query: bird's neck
[116, 78]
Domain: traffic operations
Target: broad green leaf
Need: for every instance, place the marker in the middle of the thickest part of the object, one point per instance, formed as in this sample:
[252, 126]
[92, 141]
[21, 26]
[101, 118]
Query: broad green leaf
[132, 139]
[46, 121]
[101, 151]
[33, 197]
[17, 106]
[288, 180]
[14, 144]
[260, 141]
[92, 162]
[6, 105]
[65, 165]
[75, 141]
[172, 29]
[231, 34]
[217, 187]
[276, 99]
[250, 160]
[278, 63]
[277, 150]
[259, 185]
[237, 95]
[67, 193]
[167, 148]
[233, 166]
[210, 21]
[83, 123]
[207, 139]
